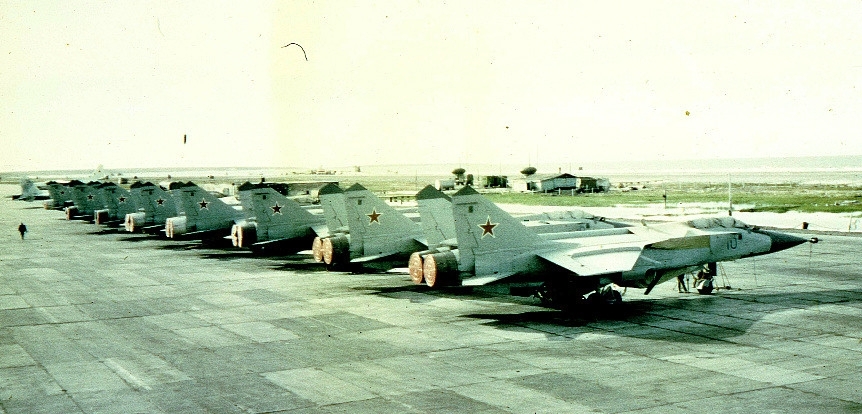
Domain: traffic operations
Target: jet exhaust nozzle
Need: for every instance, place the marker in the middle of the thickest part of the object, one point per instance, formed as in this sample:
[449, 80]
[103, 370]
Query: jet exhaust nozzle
[414, 265]
[101, 216]
[336, 250]
[175, 226]
[243, 234]
[133, 221]
[317, 249]
[441, 269]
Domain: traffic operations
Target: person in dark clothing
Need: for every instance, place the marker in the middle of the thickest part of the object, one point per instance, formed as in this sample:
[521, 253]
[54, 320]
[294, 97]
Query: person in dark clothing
[681, 283]
[22, 229]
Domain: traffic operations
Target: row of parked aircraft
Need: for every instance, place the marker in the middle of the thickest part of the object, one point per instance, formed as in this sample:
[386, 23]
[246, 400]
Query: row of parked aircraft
[462, 240]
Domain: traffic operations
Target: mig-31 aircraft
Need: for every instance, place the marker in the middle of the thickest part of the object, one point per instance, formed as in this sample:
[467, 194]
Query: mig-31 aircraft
[364, 230]
[117, 202]
[204, 216]
[438, 223]
[494, 247]
[61, 195]
[276, 224]
[155, 204]
[86, 198]
[31, 192]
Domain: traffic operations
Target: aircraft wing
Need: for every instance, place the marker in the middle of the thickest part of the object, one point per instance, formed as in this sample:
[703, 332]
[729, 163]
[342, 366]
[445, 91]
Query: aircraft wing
[593, 260]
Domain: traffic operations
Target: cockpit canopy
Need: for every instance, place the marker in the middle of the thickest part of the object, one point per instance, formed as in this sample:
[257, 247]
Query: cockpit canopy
[718, 222]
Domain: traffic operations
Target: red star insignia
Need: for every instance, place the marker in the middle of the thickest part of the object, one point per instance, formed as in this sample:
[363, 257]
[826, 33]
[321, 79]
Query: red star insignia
[122, 199]
[276, 209]
[160, 201]
[89, 196]
[488, 228]
[203, 204]
[374, 217]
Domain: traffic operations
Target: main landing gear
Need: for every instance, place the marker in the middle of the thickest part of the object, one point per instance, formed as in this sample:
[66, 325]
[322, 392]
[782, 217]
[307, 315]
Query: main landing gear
[566, 297]
[704, 281]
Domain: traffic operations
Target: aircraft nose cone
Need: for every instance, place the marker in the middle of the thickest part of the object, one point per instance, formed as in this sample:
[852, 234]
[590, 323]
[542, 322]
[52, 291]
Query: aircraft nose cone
[781, 241]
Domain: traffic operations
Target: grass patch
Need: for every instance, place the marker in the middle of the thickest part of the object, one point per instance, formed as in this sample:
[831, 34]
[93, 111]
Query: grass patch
[778, 198]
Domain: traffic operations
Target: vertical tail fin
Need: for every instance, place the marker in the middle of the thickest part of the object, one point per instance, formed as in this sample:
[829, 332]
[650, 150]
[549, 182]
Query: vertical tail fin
[334, 211]
[29, 191]
[203, 210]
[117, 200]
[278, 216]
[59, 193]
[487, 233]
[376, 227]
[156, 203]
[435, 209]
[84, 196]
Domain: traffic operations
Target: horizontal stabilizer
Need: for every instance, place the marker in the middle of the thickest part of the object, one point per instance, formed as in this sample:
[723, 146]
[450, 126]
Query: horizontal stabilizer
[366, 259]
[485, 280]
[321, 230]
[264, 243]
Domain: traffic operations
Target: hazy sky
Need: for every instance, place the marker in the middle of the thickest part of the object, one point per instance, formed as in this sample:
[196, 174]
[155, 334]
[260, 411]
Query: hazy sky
[120, 83]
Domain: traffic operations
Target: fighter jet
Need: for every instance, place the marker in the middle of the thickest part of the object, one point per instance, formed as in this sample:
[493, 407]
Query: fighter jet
[61, 195]
[277, 224]
[204, 215]
[86, 199]
[494, 247]
[331, 198]
[438, 223]
[117, 203]
[30, 192]
[155, 205]
[377, 235]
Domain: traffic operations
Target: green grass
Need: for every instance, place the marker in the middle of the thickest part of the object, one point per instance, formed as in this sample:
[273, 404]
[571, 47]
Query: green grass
[754, 197]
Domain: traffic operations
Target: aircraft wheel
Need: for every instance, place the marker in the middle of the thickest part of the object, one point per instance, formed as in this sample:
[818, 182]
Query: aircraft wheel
[607, 296]
[558, 297]
[704, 286]
[615, 298]
[705, 291]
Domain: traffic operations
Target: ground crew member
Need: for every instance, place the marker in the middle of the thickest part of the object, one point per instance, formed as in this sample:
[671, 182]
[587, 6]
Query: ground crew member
[681, 283]
[22, 229]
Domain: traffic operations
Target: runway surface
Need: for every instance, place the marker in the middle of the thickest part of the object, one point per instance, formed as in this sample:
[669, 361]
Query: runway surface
[104, 322]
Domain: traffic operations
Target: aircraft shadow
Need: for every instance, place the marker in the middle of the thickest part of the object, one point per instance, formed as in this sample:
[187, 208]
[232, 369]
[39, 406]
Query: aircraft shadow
[234, 253]
[139, 238]
[663, 320]
[108, 230]
[183, 246]
[298, 263]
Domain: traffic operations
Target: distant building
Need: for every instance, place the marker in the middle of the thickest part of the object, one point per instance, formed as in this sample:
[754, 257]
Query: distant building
[495, 181]
[561, 182]
[442, 185]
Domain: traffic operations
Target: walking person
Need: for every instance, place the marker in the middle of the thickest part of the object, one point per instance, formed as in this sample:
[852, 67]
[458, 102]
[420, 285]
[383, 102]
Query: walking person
[22, 229]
